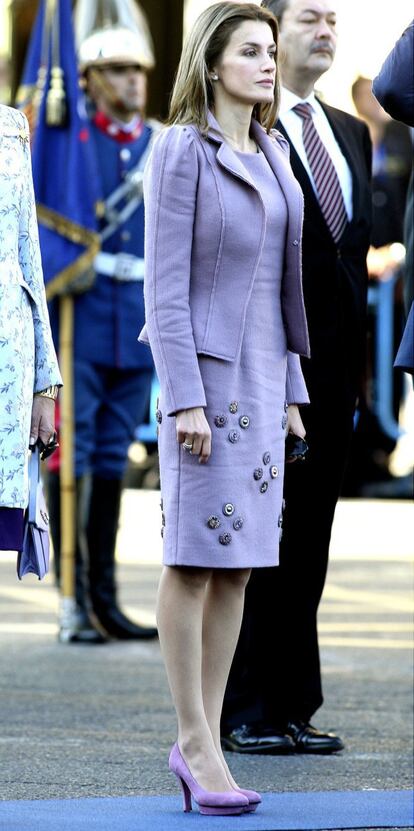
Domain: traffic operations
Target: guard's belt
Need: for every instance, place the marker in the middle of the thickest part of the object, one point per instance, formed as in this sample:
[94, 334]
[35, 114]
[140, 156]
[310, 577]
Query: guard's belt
[122, 267]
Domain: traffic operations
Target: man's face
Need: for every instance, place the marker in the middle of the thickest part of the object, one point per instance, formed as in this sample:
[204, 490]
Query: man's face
[308, 37]
[129, 83]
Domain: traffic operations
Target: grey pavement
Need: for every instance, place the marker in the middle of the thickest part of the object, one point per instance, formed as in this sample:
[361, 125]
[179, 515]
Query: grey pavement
[81, 721]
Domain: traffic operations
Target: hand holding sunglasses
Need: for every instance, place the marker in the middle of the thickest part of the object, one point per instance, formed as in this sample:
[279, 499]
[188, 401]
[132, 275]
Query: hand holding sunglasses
[46, 450]
[295, 448]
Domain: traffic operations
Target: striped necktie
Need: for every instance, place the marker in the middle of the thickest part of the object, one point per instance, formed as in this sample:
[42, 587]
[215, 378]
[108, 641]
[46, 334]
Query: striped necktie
[326, 180]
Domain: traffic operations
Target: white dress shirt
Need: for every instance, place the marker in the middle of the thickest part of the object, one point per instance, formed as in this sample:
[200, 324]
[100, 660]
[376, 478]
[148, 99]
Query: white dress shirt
[293, 122]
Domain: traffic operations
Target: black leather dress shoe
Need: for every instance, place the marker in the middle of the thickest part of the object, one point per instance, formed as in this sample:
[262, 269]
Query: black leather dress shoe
[257, 739]
[308, 739]
[118, 626]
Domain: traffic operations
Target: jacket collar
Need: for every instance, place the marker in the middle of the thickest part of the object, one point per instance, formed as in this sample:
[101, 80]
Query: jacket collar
[277, 158]
[229, 159]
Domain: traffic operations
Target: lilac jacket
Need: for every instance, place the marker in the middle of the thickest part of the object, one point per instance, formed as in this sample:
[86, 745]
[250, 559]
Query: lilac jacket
[204, 232]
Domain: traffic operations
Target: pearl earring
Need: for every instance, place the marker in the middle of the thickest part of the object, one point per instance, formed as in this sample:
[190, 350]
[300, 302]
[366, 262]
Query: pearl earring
[214, 77]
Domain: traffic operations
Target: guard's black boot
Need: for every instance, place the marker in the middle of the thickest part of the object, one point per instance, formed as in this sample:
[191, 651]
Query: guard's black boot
[101, 536]
[82, 629]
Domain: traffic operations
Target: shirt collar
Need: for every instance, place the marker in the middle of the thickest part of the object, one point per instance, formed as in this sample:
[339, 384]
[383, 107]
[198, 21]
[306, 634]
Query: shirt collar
[121, 132]
[289, 99]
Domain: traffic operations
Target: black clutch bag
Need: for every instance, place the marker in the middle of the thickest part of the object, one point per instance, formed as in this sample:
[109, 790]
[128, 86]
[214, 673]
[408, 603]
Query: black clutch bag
[295, 448]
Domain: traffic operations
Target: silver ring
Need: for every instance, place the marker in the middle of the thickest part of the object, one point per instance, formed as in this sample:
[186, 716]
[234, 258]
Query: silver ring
[188, 447]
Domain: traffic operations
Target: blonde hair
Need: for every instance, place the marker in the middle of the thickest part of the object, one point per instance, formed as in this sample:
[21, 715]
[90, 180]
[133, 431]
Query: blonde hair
[193, 93]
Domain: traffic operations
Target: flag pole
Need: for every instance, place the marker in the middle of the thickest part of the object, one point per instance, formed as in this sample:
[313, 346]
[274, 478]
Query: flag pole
[67, 618]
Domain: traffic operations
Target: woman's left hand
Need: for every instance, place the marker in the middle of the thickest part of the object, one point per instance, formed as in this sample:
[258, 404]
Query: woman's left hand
[294, 422]
[43, 420]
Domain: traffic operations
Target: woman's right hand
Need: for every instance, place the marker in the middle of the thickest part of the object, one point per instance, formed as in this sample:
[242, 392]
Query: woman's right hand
[42, 424]
[193, 429]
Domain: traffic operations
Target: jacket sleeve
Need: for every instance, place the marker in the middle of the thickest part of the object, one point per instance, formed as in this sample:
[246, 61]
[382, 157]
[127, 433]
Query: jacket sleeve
[296, 392]
[46, 369]
[394, 85]
[170, 189]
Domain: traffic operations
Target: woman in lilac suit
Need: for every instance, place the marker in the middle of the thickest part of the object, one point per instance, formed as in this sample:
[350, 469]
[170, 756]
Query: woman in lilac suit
[226, 323]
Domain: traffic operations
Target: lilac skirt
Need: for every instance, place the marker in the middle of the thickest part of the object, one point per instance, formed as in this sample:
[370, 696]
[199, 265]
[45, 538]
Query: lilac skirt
[11, 529]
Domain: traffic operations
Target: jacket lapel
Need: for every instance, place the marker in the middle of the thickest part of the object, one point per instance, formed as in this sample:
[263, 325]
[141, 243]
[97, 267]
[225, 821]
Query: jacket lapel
[301, 174]
[226, 157]
[341, 136]
[280, 164]
[278, 161]
[230, 160]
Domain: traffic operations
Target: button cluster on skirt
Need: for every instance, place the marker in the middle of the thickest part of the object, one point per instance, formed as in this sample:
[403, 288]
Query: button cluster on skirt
[221, 420]
[213, 522]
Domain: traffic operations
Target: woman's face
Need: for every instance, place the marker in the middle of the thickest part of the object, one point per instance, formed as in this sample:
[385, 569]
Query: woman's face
[247, 69]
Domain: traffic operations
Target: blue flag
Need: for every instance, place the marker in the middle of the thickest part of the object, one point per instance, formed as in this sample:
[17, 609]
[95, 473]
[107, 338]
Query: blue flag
[64, 168]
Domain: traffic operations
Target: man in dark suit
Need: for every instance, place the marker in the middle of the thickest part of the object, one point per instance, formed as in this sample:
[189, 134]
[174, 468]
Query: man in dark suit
[275, 683]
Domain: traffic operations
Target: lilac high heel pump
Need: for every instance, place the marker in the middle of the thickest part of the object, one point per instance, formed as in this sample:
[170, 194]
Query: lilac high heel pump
[209, 802]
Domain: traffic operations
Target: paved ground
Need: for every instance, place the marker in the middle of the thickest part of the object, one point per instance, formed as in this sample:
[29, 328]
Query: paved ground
[93, 721]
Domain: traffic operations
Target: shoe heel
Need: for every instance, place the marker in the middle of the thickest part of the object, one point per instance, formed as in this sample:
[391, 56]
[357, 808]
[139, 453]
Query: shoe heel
[187, 806]
[209, 802]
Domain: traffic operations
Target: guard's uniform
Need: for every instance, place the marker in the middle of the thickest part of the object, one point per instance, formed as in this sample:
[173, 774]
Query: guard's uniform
[112, 371]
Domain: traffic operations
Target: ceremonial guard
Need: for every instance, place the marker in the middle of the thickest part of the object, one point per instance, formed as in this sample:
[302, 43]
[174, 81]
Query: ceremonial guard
[112, 372]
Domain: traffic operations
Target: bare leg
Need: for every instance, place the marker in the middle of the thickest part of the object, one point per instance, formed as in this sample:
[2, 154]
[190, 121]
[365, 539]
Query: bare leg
[223, 611]
[180, 610]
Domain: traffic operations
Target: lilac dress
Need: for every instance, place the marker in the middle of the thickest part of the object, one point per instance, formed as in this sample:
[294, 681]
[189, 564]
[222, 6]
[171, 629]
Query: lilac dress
[228, 513]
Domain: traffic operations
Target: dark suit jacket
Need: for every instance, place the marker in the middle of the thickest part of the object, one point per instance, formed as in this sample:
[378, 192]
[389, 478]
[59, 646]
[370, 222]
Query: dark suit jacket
[394, 84]
[335, 275]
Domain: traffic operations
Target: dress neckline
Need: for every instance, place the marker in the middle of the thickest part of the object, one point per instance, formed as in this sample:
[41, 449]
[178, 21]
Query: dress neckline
[254, 155]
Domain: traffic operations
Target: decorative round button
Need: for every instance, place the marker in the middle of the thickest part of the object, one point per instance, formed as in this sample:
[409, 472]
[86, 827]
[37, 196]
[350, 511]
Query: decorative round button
[284, 422]
[233, 407]
[213, 521]
[266, 458]
[228, 509]
[234, 436]
[162, 531]
[258, 473]
[125, 154]
[225, 539]
[220, 420]
[238, 524]
[244, 422]
[263, 487]
[295, 242]
[286, 406]
[274, 471]
[158, 416]
[280, 521]
[161, 504]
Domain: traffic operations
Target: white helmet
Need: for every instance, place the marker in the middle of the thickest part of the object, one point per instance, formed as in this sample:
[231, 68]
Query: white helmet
[112, 31]
[116, 45]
